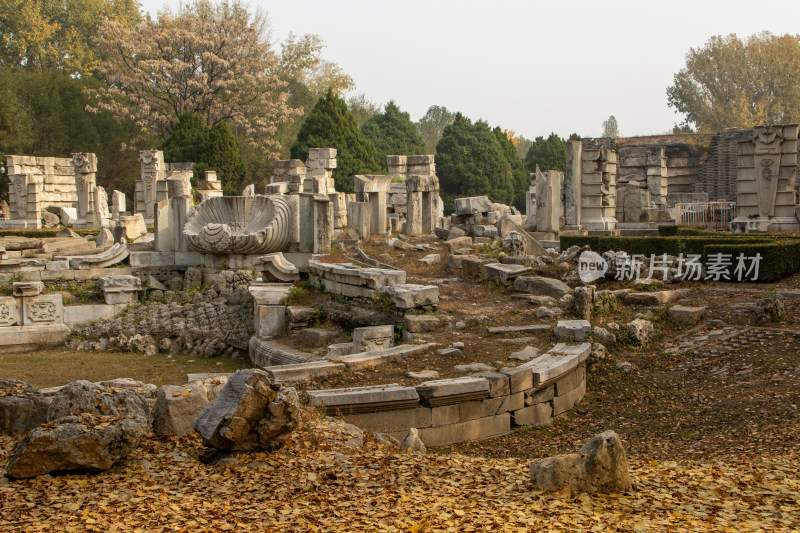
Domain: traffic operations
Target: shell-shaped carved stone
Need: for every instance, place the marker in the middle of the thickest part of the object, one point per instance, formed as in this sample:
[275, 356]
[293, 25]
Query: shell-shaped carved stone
[239, 225]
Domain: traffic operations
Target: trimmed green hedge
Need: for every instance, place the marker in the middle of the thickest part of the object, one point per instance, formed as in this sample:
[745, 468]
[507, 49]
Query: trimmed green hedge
[780, 256]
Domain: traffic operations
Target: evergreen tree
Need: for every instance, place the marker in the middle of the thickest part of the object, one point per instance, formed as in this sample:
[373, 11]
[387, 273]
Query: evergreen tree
[188, 139]
[331, 125]
[215, 148]
[519, 176]
[470, 162]
[392, 133]
[549, 154]
[221, 154]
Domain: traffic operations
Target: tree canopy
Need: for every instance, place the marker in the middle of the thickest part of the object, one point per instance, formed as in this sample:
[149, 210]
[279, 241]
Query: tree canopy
[432, 124]
[331, 125]
[211, 59]
[731, 82]
[392, 133]
[41, 34]
[471, 162]
[548, 154]
[610, 128]
[519, 176]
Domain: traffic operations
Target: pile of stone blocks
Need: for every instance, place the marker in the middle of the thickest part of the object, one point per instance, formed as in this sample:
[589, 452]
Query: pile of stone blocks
[351, 281]
[30, 318]
[475, 216]
[209, 187]
[483, 405]
[319, 171]
[345, 279]
[34, 184]
[287, 177]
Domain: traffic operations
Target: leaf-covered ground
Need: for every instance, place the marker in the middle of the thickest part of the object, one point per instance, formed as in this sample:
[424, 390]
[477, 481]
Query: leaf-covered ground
[318, 483]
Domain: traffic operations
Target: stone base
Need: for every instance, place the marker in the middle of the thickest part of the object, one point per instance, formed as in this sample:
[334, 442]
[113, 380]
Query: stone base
[599, 224]
[764, 224]
[21, 224]
[27, 338]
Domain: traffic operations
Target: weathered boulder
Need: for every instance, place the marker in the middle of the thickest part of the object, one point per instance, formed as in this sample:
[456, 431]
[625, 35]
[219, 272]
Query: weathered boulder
[541, 285]
[583, 301]
[177, 407]
[576, 330]
[605, 337]
[250, 412]
[686, 316]
[86, 397]
[412, 442]
[82, 443]
[769, 309]
[600, 466]
[639, 329]
[22, 407]
[49, 220]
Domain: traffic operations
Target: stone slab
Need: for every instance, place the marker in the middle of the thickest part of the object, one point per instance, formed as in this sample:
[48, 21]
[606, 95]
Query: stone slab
[303, 371]
[399, 420]
[531, 328]
[481, 428]
[26, 338]
[503, 273]
[455, 390]
[534, 415]
[81, 314]
[565, 402]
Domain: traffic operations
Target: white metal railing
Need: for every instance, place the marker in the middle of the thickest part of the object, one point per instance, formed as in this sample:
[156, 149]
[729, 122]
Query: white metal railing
[714, 215]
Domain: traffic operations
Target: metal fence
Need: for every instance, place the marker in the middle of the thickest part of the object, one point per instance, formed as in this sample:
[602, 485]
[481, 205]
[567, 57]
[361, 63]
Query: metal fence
[713, 215]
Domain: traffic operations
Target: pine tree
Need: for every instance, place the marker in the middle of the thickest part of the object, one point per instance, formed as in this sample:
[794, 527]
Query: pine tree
[519, 176]
[393, 133]
[471, 162]
[548, 154]
[221, 154]
[331, 125]
[188, 139]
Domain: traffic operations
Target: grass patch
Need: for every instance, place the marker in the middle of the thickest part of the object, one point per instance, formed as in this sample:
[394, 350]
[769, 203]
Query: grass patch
[50, 368]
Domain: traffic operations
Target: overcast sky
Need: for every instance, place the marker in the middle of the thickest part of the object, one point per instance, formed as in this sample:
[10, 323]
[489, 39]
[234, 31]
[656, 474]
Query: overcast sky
[530, 66]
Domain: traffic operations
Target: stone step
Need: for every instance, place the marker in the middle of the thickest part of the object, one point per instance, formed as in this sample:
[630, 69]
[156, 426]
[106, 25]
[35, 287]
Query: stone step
[449, 391]
[370, 399]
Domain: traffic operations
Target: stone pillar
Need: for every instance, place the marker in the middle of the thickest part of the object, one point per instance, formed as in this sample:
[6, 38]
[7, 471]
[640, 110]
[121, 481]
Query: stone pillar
[152, 171]
[377, 202]
[572, 185]
[358, 214]
[118, 205]
[85, 166]
[657, 176]
[102, 216]
[172, 215]
[269, 311]
[339, 209]
[421, 203]
[548, 200]
[598, 189]
[316, 223]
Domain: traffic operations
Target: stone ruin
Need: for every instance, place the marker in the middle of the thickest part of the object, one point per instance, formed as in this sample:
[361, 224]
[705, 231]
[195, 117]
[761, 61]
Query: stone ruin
[35, 184]
[766, 181]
